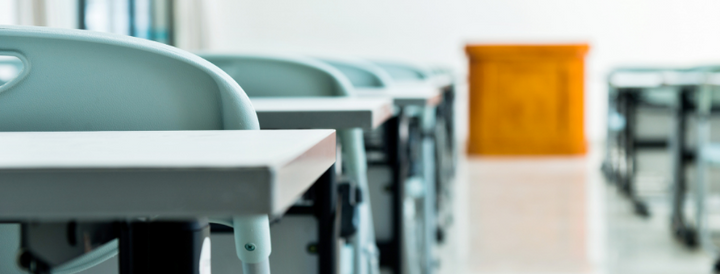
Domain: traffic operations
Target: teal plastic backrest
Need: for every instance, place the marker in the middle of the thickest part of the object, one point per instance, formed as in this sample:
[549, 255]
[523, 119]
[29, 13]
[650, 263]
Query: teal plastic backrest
[9, 68]
[403, 72]
[282, 76]
[362, 74]
[75, 80]
[295, 76]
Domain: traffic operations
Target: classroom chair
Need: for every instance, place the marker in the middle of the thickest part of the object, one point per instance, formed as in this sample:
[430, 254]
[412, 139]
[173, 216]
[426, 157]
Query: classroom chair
[295, 76]
[10, 67]
[397, 230]
[361, 73]
[431, 151]
[75, 80]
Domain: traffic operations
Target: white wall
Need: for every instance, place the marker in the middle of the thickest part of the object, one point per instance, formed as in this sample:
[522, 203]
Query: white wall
[620, 31]
[7, 12]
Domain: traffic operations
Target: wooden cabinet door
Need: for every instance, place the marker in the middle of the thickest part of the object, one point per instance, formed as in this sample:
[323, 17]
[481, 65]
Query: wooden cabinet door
[526, 106]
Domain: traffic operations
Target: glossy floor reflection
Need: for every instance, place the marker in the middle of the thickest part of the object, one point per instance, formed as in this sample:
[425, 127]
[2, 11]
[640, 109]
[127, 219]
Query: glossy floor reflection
[558, 215]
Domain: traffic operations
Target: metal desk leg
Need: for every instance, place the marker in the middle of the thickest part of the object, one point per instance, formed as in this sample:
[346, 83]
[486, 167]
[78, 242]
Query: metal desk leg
[628, 159]
[429, 205]
[396, 138]
[682, 231]
[609, 163]
[326, 208]
[165, 247]
[628, 180]
[619, 165]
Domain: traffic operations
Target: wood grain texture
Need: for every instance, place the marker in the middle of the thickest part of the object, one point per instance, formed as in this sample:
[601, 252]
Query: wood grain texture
[526, 99]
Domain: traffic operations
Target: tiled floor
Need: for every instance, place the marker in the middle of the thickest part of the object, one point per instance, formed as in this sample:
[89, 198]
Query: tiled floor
[558, 215]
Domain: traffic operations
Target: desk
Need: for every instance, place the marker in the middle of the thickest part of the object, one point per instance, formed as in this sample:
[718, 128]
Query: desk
[182, 175]
[167, 173]
[644, 79]
[627, 90]
[680, 85]
[686, 84]
[410, 137]
[405, 94]
[322, 112]
[339, 113]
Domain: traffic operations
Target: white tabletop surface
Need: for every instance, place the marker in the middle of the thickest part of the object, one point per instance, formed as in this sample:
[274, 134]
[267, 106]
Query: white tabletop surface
[684, 78]
[322, 112]
[158, 173]
[637, 79]
[713, 79]
[654, 79]
[406, 94]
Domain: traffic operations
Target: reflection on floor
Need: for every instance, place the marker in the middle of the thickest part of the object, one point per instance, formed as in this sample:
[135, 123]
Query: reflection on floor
[527, 215]
[558, 215]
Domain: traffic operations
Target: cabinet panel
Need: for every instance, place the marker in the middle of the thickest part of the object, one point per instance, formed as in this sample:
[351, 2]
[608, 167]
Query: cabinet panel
[522, 102]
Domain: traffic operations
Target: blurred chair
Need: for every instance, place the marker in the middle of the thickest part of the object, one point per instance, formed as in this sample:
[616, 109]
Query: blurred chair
[403, 72]
[86, 81]
[10, 67]
[429, 165]
[361, 73]
[294, 76]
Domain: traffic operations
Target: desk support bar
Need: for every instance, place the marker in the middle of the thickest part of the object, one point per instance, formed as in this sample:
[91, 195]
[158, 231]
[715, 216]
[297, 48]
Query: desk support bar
[165, 247]
[326, 210]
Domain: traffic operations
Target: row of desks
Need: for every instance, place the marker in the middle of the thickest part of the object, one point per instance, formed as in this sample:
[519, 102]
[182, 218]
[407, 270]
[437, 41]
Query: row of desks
[58, 176]
[278, 165]
[674, 90]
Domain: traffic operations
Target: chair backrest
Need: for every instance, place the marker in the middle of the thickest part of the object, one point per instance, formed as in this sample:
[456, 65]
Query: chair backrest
[282, 76]
[361, 73]
[75, 80]
[10, 67]
[403, 71]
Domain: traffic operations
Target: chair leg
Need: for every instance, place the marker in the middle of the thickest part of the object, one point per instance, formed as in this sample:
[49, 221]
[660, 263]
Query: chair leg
[252, 243]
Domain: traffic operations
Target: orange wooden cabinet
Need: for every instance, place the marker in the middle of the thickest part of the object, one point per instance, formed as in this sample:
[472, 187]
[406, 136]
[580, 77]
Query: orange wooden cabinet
[527, 99]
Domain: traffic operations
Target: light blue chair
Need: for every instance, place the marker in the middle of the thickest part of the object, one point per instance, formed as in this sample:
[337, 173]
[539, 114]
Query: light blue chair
[76, 80]
[10, 67]
[403, 72]
[428, 163]
[417, 228]
[294, 76]
[361, 73]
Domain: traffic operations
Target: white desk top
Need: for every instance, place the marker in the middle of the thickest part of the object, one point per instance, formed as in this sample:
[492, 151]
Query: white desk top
[684, 78]
[713, 79]
[167, 173]
[406, 94]
[655, 79]
[637, 79]
[322, 112]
